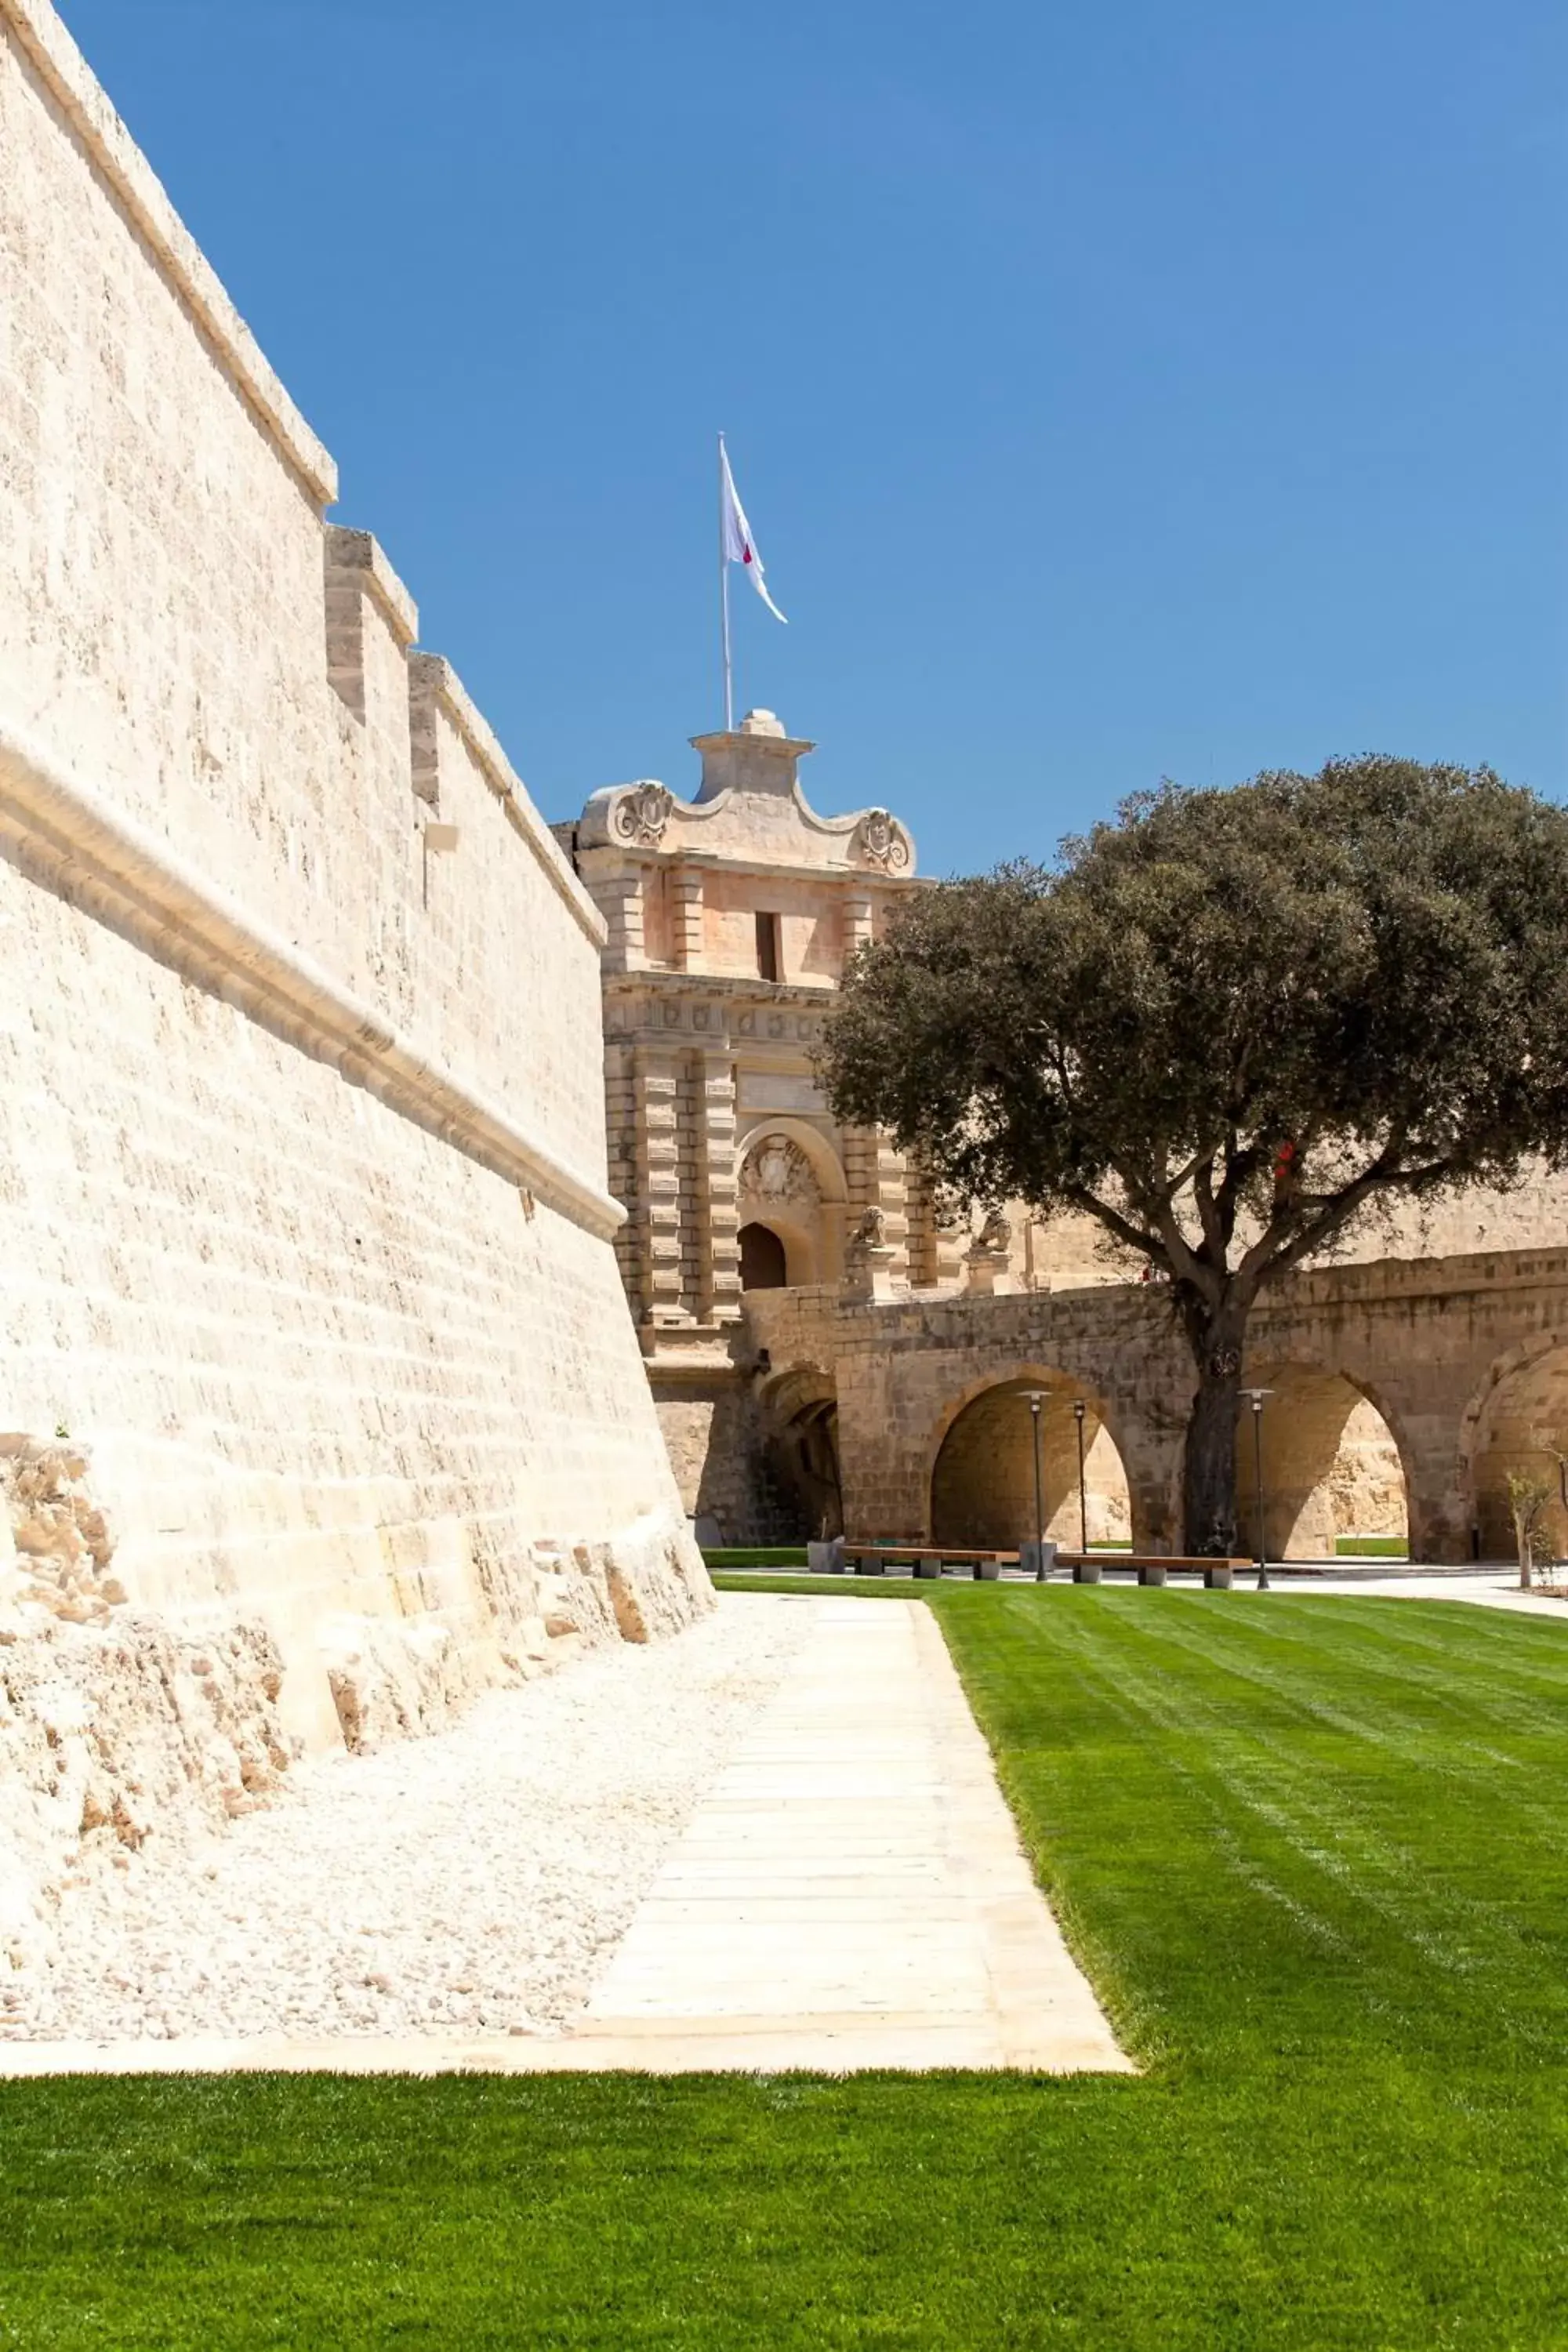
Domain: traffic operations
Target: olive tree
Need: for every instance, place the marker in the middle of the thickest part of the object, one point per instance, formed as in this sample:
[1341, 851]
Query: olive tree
[1231, 1026]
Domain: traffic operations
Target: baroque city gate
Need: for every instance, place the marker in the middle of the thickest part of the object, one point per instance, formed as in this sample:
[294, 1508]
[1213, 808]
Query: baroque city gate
[1465, 1358]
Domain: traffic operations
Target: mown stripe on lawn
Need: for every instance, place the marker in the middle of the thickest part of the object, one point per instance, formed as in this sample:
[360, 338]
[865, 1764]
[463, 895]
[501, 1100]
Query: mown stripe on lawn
[1311, 1848]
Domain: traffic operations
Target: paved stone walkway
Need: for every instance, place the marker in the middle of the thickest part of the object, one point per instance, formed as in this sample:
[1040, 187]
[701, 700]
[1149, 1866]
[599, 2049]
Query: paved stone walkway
[1486, 1588]
[850, 1893]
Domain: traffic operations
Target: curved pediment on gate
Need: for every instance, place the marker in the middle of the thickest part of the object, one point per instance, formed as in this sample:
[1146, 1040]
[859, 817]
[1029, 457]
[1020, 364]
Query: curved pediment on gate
[647, 815]
[872, 838]
[749, 808]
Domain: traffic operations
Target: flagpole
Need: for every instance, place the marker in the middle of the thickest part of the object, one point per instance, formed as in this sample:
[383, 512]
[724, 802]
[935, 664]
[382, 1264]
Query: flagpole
[724, 601]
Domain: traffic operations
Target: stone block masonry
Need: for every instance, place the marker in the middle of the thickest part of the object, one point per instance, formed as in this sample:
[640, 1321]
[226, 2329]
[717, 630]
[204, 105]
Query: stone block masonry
[307, 1240]
[1450, 1371]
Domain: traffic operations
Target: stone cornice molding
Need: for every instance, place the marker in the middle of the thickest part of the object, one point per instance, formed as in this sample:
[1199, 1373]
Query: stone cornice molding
[761, 745]
[847, 881]
[715, 1018]
[74, 89]
[61, 831]
[713, 987]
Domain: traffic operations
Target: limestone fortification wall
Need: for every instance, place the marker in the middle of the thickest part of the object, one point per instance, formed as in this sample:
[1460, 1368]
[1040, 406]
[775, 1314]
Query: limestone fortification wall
[305, 1248]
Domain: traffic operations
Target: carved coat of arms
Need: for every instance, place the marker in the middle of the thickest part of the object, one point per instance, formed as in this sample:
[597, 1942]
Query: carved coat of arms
[775, 1170]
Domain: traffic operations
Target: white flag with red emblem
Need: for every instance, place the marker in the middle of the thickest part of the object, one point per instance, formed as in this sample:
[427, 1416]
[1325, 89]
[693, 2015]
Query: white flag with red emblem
[739, 547]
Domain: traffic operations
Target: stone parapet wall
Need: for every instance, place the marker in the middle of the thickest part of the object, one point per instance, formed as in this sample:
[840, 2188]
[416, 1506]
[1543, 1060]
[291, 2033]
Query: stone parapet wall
[177, 626]
[303, 1162]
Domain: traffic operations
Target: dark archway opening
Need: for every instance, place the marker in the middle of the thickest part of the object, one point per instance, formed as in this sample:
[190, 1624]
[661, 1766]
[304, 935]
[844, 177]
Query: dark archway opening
[804, 1460]
[763, 1265]
[800, 1417]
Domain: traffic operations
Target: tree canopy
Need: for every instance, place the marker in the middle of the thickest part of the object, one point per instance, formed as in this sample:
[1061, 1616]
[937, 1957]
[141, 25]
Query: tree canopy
[1228, 1025]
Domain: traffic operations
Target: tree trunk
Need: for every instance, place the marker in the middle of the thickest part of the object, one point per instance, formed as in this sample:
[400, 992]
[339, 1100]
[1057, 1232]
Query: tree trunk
[1208, 1484]
[1526, 1556]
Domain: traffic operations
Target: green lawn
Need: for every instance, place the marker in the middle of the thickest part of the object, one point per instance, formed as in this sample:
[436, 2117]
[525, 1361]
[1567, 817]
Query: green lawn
[1314, 1852]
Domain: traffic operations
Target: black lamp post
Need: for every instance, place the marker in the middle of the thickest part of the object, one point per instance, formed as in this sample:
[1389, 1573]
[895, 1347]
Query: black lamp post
[1077, 1413]
[1254, 1397]
[1036, 1399]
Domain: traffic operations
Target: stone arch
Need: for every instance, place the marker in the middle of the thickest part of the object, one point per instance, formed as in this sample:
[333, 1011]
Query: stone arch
[1029, 1373]
[982, 1476]
[804, 1208]
[1334, 1463]
[1523, 1399]
[826, 1164]
[800, 1410]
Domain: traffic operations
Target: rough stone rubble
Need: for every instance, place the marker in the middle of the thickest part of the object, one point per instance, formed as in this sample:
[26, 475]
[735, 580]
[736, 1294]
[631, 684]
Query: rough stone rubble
[475, 1879]
[112, 1724]
[128, 1740]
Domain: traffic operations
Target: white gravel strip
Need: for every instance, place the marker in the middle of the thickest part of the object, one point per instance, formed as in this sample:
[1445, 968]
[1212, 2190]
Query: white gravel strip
[479, 1878]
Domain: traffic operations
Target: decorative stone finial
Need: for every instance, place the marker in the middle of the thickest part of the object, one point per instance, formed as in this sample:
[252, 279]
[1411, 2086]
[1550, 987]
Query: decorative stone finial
[763, 723]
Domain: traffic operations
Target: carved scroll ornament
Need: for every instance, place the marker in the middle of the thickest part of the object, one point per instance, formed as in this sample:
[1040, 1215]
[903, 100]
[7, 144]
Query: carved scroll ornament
[882, 841]
[642, 812]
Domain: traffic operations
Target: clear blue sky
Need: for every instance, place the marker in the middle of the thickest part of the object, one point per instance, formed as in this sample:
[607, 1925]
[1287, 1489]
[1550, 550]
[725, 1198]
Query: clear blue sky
[1117, 389]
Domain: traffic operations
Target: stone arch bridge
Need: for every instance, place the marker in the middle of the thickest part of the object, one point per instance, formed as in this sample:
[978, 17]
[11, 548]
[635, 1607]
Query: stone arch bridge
[1465, 1358]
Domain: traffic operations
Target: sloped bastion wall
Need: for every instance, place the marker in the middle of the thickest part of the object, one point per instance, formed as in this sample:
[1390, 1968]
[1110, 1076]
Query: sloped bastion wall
[315, 1366]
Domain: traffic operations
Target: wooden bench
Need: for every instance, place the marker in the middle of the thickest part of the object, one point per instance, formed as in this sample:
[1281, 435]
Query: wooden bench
[1152, 1567]
[928, 1560]
[875, 1556]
